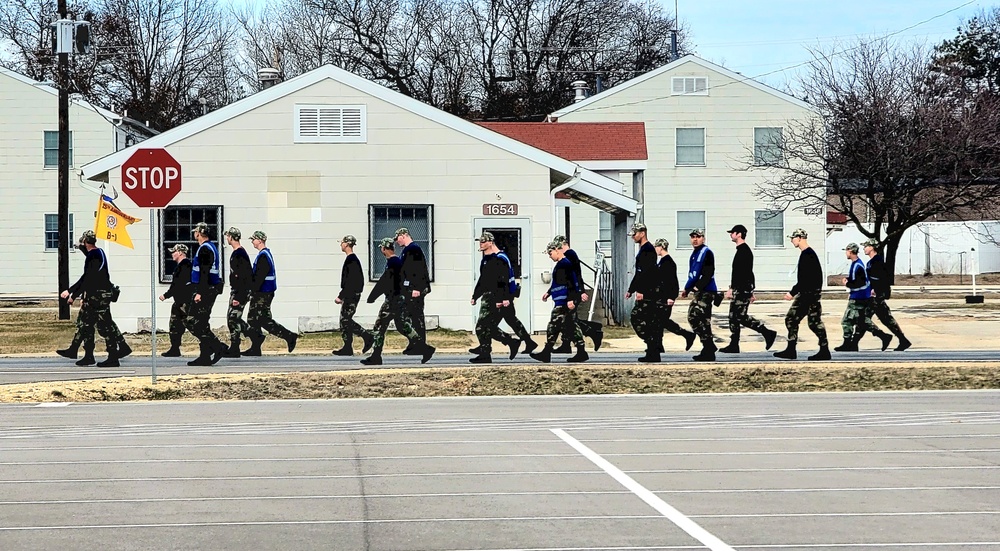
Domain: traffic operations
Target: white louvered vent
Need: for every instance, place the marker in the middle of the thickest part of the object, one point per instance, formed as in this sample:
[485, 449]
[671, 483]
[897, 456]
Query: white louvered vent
[330, 124]
[689, 86]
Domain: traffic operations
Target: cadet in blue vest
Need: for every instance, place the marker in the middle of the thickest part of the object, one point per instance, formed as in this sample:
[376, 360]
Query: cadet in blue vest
[586, 328]
[857, 320]
[565, 299]
[265, 283]
[701, 286]
[206, 282]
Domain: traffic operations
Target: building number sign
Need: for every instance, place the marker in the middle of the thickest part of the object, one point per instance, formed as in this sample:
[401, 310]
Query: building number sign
[500, 209]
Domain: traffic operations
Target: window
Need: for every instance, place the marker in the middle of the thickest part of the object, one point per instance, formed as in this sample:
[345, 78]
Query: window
[176, 224]
[688, 220]
[52, 232]
[384, 220]
[689, 86]
[52, 149]
[606, 223]
[767, 144]
[770, 228]
[330, 124]
[690, 147]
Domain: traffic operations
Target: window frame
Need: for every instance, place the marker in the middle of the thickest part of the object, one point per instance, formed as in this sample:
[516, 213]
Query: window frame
[694, 86]
[683, 237]
[756, 229]
[166, 277]
[758, 147]
[362, 137]
[678, 146]
[45, 148]
[373, 240]
[46, 231]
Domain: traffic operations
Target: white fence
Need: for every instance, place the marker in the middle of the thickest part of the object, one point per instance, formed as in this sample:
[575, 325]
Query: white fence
[932, 247]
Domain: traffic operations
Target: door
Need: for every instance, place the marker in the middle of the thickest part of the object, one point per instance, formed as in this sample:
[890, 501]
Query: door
[512, 236]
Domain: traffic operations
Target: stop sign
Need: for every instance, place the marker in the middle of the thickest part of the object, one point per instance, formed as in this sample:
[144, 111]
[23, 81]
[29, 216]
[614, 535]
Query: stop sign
[151, 178]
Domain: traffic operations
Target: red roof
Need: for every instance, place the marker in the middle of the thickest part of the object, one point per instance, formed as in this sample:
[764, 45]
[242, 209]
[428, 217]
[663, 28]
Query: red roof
[835, 217]
[580, 141]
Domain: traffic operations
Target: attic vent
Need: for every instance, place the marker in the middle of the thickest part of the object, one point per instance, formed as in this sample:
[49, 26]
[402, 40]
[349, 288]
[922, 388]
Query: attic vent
[330, 124]
[689, 86]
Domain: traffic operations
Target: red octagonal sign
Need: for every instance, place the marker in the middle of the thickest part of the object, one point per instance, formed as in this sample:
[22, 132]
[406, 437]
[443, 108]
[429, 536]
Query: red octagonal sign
[151, 178]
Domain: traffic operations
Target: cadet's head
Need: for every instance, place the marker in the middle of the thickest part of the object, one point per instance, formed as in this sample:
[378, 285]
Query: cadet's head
[486, 241]
[388, 247]
[201, 232]
[347, 243]
[563, 242]
[851, 250]
[233, 235]
[88, 238]
[179, 252]
[403, 237]
[638, 232]
[697, 236]
[259, 239]
[662, 246]
[799, 238]
[555, 251]
[738, 233]
[871, 247]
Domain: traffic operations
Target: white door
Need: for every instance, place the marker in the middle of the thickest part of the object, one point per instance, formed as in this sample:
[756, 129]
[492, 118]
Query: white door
[513, 236]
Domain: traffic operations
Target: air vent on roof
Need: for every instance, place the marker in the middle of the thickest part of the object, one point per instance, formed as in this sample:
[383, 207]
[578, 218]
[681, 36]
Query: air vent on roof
[330, 124]
[689, 86]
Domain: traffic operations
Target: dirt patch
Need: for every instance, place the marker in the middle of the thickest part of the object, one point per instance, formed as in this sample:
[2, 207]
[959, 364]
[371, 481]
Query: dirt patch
[515, 381]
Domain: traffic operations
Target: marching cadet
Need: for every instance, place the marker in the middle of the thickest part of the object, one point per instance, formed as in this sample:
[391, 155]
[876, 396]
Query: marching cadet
[352, 284]
[180, 291]
[508, 313]
[493, 287]
[741, 296]
[206, 285]
[666, 293]
[565, 299]
[645, 282]
[701, 282]
[881, 291]
[805, 296]
[265, 283]
[390, 286]
[416, 284]
[583, 327]
[856, 321]
[240, 281]
[98, 293]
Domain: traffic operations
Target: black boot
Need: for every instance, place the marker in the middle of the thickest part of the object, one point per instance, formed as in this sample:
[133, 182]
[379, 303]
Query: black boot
[219, 351]
[88, 357]
[734, 345]
[788, 353]
[822, 355]
[903, 344]
[234, 348]
[112, 360]
[652, 355]
[292, 340]
[346, 350]
[529, 344]
[514, 344]
[412, 349]
[123, 349]
[375, 358]
[689, 339]
[476, 349]
[886, 339]
[485, 356]
[70, 351]
[175, 347]
[254, 349]
[580, 356]
[848, 346]
[368, 339]
[769, 337]
[426, 352]
[707, 353]
[204, 358]
[594, 331]
[545, 356]
[566, 348]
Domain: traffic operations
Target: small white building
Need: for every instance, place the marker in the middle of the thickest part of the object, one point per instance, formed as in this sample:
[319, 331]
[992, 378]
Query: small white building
[330, 153]
[29, 153]
[704, 127]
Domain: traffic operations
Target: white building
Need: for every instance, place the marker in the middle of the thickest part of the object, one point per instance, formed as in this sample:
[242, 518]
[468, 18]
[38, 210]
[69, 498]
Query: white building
[704, 126]
[29, 138]
[329, 153]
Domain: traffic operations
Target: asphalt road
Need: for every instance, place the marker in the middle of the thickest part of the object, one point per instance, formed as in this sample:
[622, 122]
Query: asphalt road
[22, 370]
[845, 471]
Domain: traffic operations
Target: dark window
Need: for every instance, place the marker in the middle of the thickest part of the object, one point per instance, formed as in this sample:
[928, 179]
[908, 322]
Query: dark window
[509, 241]
[384, 220]
[176, 224]
[52, 232]
[51, 149]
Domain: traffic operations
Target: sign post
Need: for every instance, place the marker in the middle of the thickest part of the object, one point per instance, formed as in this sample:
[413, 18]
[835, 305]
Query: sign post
[151, 178]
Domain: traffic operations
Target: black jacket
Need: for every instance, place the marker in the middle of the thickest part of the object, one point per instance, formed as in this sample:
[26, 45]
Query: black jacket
[352, 278]
[96, 276]
[240, 275]
[743, 279]
[646, 278]
[810, 273]
[574, 259]
[669, 287]
[878, 275]
[416, 276]
[494, 279]
[390, 284]
[179, 289]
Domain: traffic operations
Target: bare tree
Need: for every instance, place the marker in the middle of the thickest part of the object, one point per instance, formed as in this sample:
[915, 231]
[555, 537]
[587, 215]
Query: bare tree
[887, 147]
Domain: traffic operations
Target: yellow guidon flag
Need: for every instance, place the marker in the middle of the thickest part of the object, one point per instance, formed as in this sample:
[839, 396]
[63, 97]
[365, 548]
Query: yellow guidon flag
[111, 223]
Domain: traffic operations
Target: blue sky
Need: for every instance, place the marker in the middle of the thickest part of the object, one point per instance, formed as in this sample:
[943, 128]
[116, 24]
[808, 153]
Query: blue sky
[754, 37]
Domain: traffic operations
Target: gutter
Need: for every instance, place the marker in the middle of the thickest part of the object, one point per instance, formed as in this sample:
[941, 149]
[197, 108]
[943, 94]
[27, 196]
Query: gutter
[552, 199]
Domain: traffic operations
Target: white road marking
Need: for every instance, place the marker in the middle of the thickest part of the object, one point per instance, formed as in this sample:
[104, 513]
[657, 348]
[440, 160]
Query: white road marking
[684, 523]
[755, 546]
[53, 404]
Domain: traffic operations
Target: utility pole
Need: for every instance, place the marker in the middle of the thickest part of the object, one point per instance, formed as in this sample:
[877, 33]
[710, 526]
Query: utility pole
[63, 216]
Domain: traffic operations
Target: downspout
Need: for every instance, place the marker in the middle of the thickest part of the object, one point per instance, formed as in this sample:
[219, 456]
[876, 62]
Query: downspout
[572, 182]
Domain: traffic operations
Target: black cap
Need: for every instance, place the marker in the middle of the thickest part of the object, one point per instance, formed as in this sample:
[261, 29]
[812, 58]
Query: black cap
[740, 228]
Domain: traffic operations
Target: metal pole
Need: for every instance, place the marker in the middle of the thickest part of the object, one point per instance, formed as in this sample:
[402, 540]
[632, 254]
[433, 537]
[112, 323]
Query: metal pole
[63, 173]
[152, 295]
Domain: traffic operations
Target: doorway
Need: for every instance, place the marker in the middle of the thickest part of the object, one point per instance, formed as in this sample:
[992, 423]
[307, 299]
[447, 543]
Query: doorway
[513, 237]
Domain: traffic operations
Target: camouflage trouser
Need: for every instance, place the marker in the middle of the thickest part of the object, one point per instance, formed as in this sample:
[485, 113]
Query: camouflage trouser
[739, 314]
[349, 327]
[392, 310]
[234, 318]
[178, 313]
[644, 319]
[487, 324]
[561, 323]
[260, 318]
[880, 308]
[806, 304]
[414, 309]
[700, 316]
[199, 316]
[95, 312]
[857, 319]
[663, 321]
